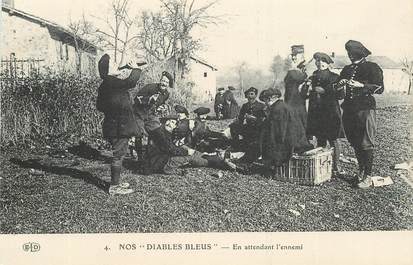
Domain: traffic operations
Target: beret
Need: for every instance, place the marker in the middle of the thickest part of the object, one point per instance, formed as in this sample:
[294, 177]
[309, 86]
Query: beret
[181, 109]
[202, 110]
[268, 93]
[357, 48]
[169, 117]
[323, 57]
[170, 78]
[220, 89]
[231, 88]
[296, 49]
[251, 89]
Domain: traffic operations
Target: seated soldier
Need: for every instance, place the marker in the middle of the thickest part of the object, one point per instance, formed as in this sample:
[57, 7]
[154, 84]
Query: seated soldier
[203, 138]
[248, 125]
[182, 134]
[164, 156]
[282, 134]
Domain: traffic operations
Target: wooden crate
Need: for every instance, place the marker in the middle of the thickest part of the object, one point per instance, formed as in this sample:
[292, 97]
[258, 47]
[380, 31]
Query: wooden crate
[307, 169]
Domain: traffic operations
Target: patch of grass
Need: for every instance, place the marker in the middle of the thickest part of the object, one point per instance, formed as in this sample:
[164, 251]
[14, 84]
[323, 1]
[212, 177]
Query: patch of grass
[65, 199]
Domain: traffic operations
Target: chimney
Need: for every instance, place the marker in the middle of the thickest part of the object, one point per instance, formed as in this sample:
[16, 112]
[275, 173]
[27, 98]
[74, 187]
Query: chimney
[8, 3]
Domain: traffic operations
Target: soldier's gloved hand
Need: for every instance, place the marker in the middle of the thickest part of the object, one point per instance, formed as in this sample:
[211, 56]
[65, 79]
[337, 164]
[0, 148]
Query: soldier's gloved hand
[319, 90]
[191, 151]
[356, 84]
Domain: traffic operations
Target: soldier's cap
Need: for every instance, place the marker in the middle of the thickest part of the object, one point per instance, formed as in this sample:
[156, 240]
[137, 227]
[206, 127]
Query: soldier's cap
[169, 76]
[268, 93]
[202, 111]
[324, 57]
[357, 48]
[231, 88]
[221, 89]
[181, 109]
[296, 49]
[251, 89]
[169, 117]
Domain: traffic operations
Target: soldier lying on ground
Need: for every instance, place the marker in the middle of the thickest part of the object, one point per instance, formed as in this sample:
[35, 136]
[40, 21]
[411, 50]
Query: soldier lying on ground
[164, 156]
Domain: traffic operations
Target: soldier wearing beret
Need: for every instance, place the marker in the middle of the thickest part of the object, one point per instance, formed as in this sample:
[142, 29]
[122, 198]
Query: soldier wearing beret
[203, 138]
[219, 103]
[147, 100]
[282, 134]
[182, 134]
[164, 156]
[324, 113]
[360, 81]
[119, 123]
[248, 125]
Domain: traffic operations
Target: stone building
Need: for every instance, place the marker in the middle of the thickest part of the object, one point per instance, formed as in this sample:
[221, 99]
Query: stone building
[27, 39]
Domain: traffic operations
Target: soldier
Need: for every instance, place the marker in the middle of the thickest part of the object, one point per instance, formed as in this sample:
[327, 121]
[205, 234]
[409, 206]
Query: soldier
[361, 80]
[324, 113]
[295, 96]
[148, 99]
[203, 138]
[182, 134]
[230, 109]
[119, 123]
[248, 125]
[164, 156]
[219, 103]
[282, 133]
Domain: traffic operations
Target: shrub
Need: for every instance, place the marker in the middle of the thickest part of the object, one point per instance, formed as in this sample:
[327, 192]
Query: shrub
[48, 106]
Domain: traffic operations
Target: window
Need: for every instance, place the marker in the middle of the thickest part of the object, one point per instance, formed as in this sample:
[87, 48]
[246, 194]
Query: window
[205, 74]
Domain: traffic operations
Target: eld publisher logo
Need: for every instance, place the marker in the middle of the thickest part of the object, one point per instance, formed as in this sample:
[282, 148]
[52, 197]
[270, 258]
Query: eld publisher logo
[31, 247]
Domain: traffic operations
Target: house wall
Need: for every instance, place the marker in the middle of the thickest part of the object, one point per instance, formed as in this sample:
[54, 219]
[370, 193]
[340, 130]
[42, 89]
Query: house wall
[23, 38]
[205, 82]
[29, 40]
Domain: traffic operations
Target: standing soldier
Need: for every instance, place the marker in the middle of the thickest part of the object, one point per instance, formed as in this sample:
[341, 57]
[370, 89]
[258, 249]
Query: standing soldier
[324, 113]
[295, 93]
[360, 80]
[119, 123]
[230, 109]
[148, 99]
[219, 103]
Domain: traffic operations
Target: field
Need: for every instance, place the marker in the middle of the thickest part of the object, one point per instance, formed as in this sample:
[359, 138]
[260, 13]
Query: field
[52, 190]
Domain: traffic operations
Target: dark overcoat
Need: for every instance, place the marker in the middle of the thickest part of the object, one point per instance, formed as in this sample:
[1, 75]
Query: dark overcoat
[282, 134]
[161, 149]
[294, 97]
[324, 113]
[114, 101]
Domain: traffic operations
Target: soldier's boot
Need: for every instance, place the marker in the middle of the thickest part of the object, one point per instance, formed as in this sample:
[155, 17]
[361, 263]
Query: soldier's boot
[368, 160]
[361, 163]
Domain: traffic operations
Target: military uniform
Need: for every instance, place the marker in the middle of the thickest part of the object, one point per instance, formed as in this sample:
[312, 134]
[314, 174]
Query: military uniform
[219, 104]
[294, 97]
[119, 122]
[359, 106]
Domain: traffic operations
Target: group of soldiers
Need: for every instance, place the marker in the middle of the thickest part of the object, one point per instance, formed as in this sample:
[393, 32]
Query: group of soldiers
[268, 129]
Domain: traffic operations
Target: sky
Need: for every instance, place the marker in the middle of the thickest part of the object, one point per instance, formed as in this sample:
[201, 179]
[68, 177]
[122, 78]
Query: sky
[255, 31]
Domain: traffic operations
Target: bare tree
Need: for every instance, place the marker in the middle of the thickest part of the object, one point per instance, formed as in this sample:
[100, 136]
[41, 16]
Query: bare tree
[83, 38]
[120, 37]
[408, 69]
[168, 33]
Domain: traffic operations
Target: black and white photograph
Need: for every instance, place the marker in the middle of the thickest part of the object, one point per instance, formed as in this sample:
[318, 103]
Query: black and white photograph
[205, 116]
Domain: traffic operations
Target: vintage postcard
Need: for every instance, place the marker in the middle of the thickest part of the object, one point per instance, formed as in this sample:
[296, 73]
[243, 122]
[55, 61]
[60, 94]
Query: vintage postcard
[206, 132]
